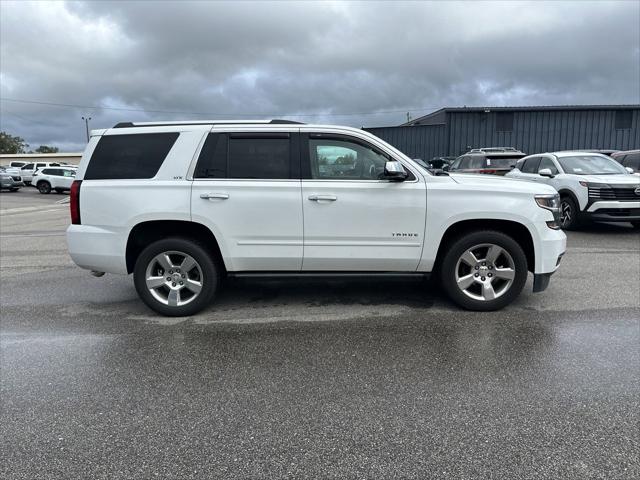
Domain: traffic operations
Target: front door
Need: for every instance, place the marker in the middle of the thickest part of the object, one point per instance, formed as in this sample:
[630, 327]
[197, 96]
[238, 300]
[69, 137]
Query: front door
[246, 189]
[353, 219]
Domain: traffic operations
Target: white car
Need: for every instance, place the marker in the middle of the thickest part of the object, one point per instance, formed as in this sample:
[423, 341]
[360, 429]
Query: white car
[29, 169]
[181, 204]
[54, 178]
[592, 186]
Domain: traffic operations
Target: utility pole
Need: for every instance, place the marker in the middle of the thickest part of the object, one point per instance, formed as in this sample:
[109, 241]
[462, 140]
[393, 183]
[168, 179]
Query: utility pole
[86, 125]
[408, 117]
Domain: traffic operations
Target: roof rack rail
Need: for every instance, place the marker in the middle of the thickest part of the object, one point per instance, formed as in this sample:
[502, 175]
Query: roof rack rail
[206, 122]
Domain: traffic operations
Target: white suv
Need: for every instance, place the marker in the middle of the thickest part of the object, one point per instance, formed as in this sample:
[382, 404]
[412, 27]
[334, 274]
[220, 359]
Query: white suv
[29, 169]
[181, 204]
[54, 178]
[591, 186]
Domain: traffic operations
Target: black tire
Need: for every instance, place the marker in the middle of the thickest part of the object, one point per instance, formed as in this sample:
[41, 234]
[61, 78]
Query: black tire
[15, 189]
[449, 266]
[209, 280]
[44, 187]
[569, 212]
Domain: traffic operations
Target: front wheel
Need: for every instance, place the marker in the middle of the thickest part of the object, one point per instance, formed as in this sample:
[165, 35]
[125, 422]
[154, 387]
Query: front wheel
[44, 187]
[568, 214]
[484, 271]
[176, 277]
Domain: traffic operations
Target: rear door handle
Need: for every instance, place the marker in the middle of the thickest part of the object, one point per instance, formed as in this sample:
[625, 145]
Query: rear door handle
[220, 196]
[323, 198]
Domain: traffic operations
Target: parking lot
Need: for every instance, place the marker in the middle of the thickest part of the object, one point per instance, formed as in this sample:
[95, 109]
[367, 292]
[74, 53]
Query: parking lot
[318, 378]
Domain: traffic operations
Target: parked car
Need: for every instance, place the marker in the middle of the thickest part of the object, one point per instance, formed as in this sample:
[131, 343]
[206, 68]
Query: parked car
[54, 178]
[179, 205]
[592, 186]
[9, 179]
[440, 162]
[604, 151]
[629, 159]
[16, 164]
[30, 168]
[492, 160]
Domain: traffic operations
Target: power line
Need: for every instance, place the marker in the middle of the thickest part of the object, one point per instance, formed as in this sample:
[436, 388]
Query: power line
[71, 105]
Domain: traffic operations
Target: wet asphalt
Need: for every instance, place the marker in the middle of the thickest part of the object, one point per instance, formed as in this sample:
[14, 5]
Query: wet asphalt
[315, 378]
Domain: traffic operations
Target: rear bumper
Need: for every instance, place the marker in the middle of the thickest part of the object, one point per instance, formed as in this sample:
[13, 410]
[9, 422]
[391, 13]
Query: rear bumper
[97, 249]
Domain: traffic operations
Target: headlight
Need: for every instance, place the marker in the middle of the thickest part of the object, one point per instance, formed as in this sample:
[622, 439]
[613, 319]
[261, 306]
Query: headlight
[5, 177]
[551, 203]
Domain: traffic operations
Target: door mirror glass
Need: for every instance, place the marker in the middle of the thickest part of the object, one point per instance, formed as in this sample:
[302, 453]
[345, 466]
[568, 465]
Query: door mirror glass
[546, 172]
[393, 170]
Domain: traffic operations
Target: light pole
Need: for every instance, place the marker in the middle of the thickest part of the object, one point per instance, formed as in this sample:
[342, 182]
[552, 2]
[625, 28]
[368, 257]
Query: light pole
[86, 125]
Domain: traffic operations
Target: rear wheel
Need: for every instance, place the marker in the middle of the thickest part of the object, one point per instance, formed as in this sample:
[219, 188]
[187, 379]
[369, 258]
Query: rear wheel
[568, 213]
[484, 270]
[176, 277]
[44, 187]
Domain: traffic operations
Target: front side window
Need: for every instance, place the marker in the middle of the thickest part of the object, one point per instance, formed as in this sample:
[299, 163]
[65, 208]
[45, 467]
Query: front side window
[632, 160]
[47, 171]
[41, 165]
[548, 163]
[129, 156]
[338, 159]
[28, 166]
[591, 165]
[531, 165]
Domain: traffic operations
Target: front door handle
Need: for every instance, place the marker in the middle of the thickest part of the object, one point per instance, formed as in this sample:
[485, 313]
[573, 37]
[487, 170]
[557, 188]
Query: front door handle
[323, 198]
[220, 196]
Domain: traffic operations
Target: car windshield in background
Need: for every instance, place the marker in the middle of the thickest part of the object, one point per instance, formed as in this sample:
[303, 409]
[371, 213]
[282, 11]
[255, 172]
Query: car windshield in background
[591, 165]
[502, 161]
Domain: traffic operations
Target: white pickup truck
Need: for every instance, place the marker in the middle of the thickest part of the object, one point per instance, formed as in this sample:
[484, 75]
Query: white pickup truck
[182, 204]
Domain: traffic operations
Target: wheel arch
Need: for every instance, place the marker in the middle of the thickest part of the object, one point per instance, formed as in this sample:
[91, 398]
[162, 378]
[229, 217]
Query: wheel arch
[145, 233]
[566, 192]
[518, 231]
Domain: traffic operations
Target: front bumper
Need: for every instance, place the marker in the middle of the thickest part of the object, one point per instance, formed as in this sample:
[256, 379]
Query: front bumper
[613, 211]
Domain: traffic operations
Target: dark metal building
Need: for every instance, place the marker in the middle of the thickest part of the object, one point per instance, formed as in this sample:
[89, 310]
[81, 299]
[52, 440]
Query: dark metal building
[453, 131]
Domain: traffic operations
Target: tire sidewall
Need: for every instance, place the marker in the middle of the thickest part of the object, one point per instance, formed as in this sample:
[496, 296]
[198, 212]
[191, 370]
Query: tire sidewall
[574, 209]
[46, 186]
[459, 246]
[210, 274]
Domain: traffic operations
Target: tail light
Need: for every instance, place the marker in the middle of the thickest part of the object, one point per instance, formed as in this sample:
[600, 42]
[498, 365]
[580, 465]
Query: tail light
[75, 202]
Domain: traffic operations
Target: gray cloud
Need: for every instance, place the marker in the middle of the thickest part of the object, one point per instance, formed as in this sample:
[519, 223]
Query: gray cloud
[327, 59]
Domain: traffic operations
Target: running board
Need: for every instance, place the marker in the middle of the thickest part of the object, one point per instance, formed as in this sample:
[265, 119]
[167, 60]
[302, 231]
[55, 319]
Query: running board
[337, 275]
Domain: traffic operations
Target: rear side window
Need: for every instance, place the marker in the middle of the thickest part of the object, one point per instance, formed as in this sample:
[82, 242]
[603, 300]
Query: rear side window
[245, 156]
[477, 162]
[129, 156]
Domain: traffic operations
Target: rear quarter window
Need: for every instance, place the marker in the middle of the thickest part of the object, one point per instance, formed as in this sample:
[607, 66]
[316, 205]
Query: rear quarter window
[129, 156]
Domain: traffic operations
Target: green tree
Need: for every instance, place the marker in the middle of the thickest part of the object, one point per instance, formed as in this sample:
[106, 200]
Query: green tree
[46, 149]
[11, 144]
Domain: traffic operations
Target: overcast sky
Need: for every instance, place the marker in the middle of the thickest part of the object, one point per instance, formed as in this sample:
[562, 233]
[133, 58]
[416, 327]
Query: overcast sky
[358, 64]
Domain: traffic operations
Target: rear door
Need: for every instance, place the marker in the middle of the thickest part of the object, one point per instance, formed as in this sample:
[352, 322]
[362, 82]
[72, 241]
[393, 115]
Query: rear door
[353, 219]
[246, 189]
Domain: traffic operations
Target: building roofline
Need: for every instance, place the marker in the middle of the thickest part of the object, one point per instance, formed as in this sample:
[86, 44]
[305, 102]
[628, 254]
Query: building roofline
[543, 108]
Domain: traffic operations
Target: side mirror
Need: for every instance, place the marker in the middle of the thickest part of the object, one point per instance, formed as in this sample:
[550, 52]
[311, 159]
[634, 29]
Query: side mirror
[630, 170]
[393, 170]
[546, 172]
[445, 168]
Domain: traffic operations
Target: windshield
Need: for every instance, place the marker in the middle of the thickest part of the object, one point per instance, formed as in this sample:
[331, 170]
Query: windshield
[591, 165]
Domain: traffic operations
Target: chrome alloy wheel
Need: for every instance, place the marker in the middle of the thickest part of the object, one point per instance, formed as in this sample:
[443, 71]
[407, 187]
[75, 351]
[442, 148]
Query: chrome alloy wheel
[485, 272]
[566, 214]
[174, 278]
